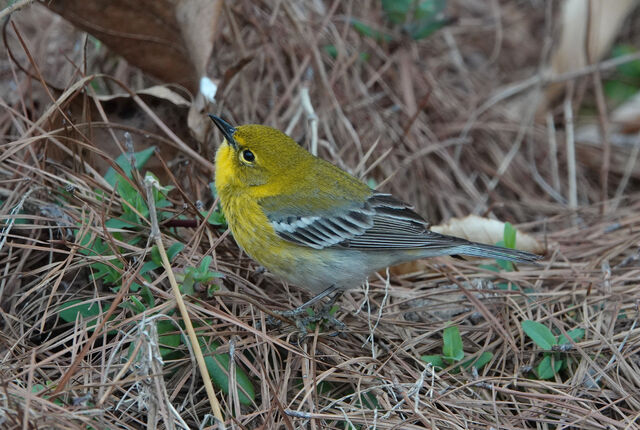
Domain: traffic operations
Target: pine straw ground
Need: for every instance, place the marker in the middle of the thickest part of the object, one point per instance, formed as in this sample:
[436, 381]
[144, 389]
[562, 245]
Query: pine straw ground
[449, 160]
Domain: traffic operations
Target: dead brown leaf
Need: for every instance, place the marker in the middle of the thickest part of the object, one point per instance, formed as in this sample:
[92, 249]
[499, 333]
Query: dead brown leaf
[171, 40]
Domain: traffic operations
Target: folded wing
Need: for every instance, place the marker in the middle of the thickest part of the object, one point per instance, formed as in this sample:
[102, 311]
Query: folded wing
[381, 222]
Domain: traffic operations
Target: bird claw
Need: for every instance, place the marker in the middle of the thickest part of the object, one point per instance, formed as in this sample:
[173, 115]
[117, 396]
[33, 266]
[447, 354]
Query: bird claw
[325, 315]
[302, 319]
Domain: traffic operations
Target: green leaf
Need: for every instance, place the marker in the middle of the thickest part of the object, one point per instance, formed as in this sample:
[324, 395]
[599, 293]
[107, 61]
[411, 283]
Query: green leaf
[147, 296]
[216, 218]
[171, 253]
[479, 361]
[491, 267]
[507, 286]
[428, 17]
[396, 10]
[168, 345]
[89, 312]
[138, 307]
[120, 223]
[576, 335]
[324, 387]
[123, 161]
[630, 69]
[202, 274]
[166, 326]
[562, 363]
[367, 31]
[155, 256]
[507, 266]
[174, 250]
[169, 340]
[509, 236]
[37, 388]
[331, 51]
[540, 334]
[97, 247]
[205, 263]
[619, 91]
[429, 9]
[369, 401]
[422, 30]
[107, 273]
[509, 241]
[135, 199]
[211, 289]
[435, 360]
[452, 348]
[549, 367]
[188, 282]
[218, 367]
[148, 267]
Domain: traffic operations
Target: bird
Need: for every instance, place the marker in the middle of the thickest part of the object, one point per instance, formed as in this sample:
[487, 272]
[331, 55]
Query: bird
[314, 225]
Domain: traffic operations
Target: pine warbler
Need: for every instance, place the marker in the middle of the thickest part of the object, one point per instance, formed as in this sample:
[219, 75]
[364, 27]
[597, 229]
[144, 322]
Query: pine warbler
[314, 225]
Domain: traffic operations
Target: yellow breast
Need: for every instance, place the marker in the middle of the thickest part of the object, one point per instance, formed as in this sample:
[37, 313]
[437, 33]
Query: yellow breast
[250, 227]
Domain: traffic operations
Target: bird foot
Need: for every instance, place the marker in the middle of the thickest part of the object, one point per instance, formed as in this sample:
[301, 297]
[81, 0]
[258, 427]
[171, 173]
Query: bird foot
[305, 319]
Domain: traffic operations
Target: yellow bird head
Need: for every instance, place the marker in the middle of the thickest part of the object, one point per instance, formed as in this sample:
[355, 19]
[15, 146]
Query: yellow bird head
[253, 155]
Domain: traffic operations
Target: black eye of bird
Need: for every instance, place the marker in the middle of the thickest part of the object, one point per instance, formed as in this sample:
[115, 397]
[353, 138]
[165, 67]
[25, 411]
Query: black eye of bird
[248, 156]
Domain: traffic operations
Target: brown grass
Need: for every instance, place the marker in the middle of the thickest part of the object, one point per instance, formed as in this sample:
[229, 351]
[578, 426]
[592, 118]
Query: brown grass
[438, 131]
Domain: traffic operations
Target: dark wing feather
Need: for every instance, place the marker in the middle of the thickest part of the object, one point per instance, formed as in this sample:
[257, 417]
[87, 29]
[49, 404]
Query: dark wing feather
[382, 222]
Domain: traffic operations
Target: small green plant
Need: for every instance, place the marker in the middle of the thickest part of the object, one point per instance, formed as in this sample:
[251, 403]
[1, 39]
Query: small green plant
[201, 275]
[332, 52]
[88, 310]
[134, 209]
[625, 82]
[416, 18]
[130, 227]
[38, 388]
[452, 352]
[508, 241]
[218, 366]
[554, 358]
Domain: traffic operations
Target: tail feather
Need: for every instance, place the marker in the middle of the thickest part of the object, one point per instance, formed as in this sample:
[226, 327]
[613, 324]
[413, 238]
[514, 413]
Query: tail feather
[473, 249]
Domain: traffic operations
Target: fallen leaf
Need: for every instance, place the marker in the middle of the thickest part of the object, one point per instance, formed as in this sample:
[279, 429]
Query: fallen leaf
[487, 231]
[171, 40]
[475, 229]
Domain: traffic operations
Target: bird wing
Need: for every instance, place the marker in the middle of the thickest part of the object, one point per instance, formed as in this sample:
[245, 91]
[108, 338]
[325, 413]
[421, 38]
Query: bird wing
[381, 222]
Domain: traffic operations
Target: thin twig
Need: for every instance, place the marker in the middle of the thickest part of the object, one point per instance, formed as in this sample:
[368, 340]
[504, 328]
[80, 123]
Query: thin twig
[14, 7]
[149, 184]
[312, 118]
[571, 149]
[553, 153]
[602, 111]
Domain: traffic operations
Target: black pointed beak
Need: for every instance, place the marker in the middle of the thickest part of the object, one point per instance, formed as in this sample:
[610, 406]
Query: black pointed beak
[226, 129]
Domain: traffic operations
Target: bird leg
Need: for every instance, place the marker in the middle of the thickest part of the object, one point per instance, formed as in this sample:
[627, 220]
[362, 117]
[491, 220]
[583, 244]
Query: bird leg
[325, 312]
[301, 318]
[302, 309]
